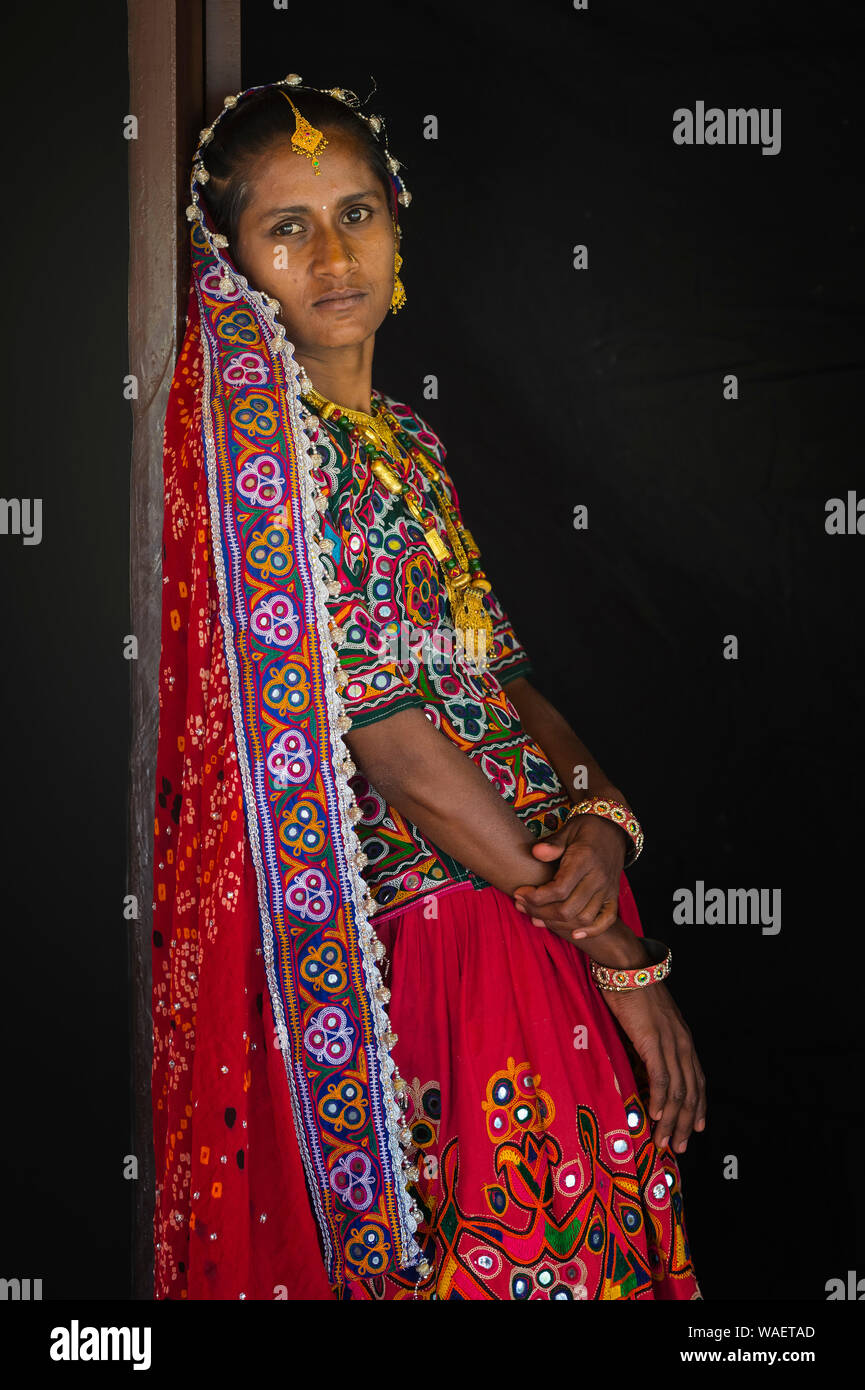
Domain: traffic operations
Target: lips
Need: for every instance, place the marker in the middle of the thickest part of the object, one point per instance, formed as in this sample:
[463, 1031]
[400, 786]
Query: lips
[337, 297]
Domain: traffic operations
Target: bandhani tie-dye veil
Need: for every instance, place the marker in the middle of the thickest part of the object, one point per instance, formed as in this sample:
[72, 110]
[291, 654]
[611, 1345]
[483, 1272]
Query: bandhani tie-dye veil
[235, 426]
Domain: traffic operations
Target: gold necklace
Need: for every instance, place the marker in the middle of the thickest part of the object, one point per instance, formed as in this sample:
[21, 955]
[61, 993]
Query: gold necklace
[459, 559]
[360, 418]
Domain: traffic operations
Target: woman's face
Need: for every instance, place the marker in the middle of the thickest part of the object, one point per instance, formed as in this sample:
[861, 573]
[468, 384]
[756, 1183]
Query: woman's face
[303, 236]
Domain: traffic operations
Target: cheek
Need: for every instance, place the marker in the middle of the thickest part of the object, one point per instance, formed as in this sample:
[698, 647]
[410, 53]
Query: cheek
[265, 263]
[276, 274]
[385, 265]
[253, 259]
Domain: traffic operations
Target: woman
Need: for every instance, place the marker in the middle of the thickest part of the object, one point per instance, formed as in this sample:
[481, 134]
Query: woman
[389, 1058]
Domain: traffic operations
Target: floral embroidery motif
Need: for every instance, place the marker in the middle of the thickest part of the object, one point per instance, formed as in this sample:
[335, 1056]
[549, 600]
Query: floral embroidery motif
[399, 651]
[606, 1224]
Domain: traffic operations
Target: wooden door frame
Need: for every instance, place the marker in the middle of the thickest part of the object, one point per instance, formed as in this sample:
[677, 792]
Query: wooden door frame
[184, 56]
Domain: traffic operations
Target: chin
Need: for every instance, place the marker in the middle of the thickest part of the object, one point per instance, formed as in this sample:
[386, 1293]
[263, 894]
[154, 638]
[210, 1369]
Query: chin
[341, 335]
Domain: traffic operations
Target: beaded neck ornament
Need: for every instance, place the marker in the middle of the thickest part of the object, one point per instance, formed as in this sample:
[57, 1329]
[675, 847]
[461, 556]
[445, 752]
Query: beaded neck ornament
[285, 678]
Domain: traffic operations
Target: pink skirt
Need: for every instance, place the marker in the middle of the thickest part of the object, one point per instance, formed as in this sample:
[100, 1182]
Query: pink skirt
[537, 1174]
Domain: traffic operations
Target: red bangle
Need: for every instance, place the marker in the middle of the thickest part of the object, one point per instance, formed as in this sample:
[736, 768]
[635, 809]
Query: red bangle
[620, 815]
[608, 977]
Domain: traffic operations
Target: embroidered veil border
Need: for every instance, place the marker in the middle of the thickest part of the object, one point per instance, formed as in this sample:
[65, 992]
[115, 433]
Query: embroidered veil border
[288, 718]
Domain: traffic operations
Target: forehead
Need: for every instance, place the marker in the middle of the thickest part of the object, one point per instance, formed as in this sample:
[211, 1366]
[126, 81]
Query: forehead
[282, 174]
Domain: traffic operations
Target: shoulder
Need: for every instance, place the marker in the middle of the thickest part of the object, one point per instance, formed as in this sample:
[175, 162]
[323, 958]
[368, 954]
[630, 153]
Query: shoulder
[414, 423]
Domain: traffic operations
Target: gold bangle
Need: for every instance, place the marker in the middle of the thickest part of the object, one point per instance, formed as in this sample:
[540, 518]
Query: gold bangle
[620, 981]
[619, 814]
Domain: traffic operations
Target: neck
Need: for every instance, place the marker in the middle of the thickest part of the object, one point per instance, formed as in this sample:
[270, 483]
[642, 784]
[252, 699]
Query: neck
[344, 375]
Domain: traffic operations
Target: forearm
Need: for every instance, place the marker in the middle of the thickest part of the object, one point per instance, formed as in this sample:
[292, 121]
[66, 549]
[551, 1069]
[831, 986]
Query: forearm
[437, 787]
[431, 782]
[618, 946]
[427, 779]
[561, 744]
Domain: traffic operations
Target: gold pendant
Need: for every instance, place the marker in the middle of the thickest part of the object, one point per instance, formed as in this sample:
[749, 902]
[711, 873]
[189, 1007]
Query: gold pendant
[475, 626]
[386, 475]
[436, 544]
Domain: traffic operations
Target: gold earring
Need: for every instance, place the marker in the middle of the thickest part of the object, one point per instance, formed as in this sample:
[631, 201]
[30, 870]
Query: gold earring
[397, 299]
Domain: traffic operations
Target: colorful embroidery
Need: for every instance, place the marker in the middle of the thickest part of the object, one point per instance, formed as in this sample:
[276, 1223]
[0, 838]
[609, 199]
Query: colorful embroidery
[605, 1224]
[319, 949]
[399, 650]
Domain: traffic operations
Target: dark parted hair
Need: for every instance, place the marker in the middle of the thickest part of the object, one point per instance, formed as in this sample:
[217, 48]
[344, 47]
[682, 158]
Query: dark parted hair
[250, 128]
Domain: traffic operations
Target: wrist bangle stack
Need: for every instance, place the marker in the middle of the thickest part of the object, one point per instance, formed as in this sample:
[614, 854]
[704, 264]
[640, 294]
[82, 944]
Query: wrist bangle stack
[614, 811]
[608, 977]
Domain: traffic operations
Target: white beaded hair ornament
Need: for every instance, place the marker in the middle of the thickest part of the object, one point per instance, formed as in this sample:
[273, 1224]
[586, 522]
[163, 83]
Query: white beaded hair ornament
[306, 140]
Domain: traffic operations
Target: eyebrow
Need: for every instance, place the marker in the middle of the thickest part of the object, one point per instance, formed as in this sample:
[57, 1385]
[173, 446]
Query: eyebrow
[303, 208]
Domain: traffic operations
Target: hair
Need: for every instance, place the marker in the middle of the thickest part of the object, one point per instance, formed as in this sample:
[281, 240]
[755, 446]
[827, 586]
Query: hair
[257, 122]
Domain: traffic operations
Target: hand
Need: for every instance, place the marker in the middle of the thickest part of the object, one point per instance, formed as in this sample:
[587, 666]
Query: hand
[582, 898]
[663, 1043]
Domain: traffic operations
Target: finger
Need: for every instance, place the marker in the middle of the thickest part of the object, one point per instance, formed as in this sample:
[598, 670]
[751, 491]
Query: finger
[576, 872]
[563, 932]
[563, 929]
[676, 1092]
[687, 1114]
[578, 911]
[595, 914]
[700, 1121]
[608, 914]
[545, 850]
[588, 898]
[658, 1078]
[554, 892]
[529, 900]
[600, 925]
[521, 907]
[575, 909]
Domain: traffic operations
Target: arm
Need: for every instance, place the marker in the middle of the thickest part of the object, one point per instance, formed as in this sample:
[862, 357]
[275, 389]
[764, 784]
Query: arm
[590, 850]
[649, 1017]
[565, 751]
[436, 786]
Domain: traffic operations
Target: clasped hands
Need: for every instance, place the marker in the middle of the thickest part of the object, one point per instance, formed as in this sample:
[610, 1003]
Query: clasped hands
[581, 900]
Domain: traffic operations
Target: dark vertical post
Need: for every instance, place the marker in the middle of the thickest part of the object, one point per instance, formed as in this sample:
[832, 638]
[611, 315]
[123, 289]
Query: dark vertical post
[181, 54]
[222, 53]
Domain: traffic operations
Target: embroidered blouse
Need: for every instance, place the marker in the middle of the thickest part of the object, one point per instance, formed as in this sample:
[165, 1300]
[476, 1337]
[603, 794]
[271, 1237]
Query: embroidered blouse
[399, 650]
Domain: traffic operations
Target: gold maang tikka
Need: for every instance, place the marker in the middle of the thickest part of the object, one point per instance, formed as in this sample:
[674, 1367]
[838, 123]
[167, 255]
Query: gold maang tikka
[306, 139]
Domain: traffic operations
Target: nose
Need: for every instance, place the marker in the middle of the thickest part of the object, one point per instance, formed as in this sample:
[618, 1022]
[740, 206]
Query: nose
[331, 255]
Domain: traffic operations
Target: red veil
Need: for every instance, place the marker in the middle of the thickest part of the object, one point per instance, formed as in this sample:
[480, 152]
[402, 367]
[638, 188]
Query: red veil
[225, 1227]
[281, 1154]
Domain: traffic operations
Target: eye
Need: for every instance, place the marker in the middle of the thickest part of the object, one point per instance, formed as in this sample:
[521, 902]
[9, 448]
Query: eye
[367, 214]
[280, 230]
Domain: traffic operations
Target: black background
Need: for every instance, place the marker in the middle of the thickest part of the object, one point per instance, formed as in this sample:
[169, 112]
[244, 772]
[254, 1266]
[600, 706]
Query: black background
[557, 387]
